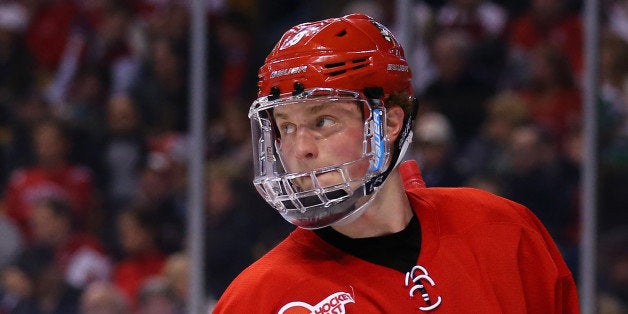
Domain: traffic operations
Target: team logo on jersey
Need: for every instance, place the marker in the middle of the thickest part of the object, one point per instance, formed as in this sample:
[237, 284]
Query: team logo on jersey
[333, 304]
[417, 277]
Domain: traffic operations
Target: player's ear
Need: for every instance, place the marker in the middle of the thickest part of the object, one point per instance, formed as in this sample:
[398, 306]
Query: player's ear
[394, 122]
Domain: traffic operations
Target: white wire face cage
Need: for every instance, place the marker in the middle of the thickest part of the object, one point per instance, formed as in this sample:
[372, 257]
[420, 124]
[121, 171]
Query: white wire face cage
[318, 204]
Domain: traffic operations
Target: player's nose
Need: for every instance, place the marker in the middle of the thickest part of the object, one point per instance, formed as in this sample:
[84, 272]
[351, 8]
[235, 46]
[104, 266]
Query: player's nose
[306, 144]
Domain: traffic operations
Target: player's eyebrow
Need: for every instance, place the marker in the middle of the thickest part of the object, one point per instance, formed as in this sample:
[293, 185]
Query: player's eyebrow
[313, 109]
[280, 115]
[318, 108]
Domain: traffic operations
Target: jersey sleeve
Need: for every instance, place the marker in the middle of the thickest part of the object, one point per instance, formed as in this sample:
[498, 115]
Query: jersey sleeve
[542, 269]
[257, 289]
[510, 249]
[566, 294]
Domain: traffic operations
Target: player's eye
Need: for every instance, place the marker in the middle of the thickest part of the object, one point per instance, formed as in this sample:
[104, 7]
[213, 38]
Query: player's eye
[325, 121]
[287, 128]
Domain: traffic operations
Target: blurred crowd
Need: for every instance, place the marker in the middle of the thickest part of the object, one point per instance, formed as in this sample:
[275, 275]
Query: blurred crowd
[94, 104]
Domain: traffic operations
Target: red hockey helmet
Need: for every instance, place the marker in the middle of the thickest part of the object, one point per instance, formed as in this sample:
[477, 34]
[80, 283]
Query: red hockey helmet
[351, 53]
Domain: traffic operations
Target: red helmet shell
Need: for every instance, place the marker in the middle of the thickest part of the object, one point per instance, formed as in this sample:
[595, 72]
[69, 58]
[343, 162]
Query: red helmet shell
[351, 52]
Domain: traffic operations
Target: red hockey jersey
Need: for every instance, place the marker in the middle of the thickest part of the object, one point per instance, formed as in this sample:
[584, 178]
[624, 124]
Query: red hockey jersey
[480, 253]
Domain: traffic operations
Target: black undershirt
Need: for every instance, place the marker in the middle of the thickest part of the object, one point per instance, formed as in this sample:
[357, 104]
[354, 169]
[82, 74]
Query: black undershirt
[398, 251]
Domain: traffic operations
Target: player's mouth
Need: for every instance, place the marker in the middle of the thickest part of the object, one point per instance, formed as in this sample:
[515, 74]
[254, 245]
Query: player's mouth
[327, 179]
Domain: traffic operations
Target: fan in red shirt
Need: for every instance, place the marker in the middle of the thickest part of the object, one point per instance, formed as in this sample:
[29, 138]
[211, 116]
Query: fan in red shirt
[53, 176]
[548, 23]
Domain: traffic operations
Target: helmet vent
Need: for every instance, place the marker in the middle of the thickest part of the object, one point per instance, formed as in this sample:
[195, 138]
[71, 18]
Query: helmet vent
[341, 33]
[359, 63]
[334, 65]
[340, 65]
[338, 68]
[337, 72]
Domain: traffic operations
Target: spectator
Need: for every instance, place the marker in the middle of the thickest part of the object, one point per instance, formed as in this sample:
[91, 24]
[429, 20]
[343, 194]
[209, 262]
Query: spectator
[534, 178]
[156, 197]
[613, 268]
[551, 95]
[46, 44]
[425, 26]
[111, 49]
[227, 253]
[481, 19]
[33, 284]
[613, 88]
[102, 297]
[487, 183]
[229, 141]
[486, 152]
[22, 114]
[613, 131]
[434, 149]
[141, 257]
[16, 74]
[53, 176]
[16, 290]
[234, 36]
[616, 12]
[545, 23]
[85, 102]
[457, 92]
[79, 257]
[484, 22]
[169, 19]
[123, 151]
[11, 241]
[156, 296]
[159, 90]
[177, 273]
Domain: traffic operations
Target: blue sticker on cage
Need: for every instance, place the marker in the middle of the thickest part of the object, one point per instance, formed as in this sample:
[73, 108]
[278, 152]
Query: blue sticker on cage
[378, 140]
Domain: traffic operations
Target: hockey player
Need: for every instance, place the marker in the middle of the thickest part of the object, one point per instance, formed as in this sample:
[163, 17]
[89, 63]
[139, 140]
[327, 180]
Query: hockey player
[331, 124]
